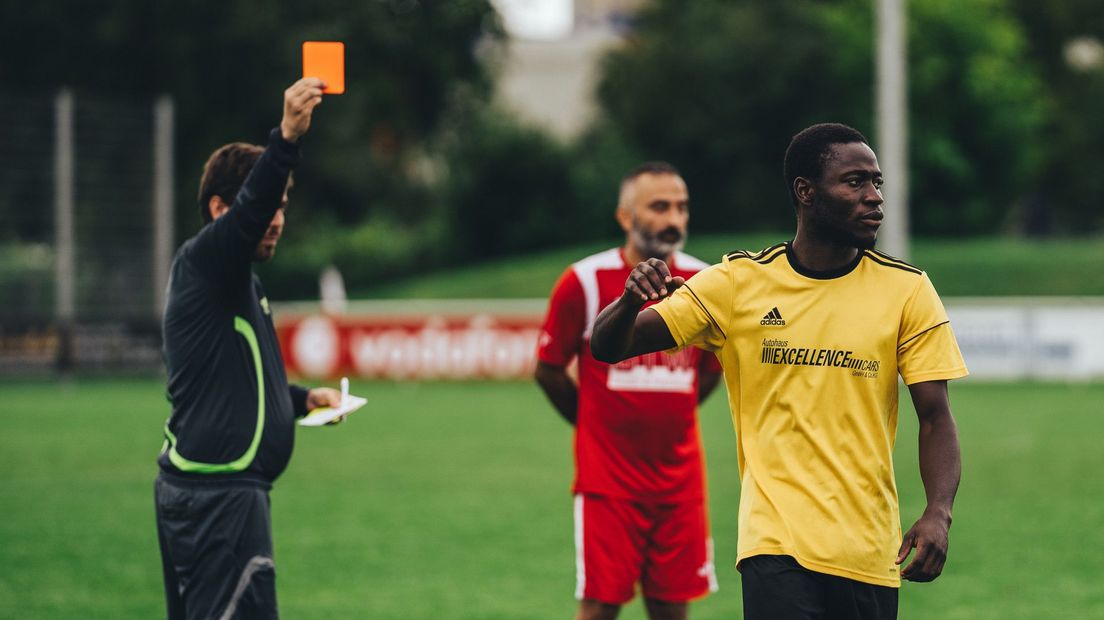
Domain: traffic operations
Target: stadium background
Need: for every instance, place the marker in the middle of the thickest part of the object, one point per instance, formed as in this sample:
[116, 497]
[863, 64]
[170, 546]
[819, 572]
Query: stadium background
[475, 155]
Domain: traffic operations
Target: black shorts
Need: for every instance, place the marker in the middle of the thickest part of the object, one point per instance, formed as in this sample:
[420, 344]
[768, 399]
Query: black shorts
[216, 549]
[776, 587]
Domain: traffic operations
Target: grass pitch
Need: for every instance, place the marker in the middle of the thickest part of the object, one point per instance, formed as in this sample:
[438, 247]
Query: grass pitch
[451, 500]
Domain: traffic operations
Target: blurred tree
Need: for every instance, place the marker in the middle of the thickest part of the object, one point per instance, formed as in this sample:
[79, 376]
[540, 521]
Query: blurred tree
[977, 110]
[494, 187]
[227, 63]
[599, 159]
[718, 87]
[508, 187]
[1068, 198]
[412, 167]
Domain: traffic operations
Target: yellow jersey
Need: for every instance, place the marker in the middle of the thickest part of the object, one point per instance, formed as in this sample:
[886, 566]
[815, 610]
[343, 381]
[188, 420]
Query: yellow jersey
[811, 361]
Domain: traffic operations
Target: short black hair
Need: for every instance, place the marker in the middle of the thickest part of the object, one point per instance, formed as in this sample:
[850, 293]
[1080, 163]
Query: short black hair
[810, 149]
[224, 173]
[650, 167]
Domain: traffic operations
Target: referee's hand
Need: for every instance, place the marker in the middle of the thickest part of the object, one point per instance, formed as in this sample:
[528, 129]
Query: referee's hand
[651, 280]
[324, 397]
[300, 99]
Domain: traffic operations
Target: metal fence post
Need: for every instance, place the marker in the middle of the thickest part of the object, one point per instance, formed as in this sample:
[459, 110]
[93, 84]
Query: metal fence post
[892, 112]
[162, 199]
[64, 235]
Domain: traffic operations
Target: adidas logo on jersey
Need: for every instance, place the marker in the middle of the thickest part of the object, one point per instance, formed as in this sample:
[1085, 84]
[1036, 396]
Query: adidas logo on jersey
[774, 317]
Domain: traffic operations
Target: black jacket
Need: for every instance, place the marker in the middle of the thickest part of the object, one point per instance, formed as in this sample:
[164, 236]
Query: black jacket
[220, 347]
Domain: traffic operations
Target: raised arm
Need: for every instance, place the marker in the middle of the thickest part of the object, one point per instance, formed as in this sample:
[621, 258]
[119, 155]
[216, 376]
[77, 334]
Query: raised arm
[940, 469]
[225, 247]
[264, 189]
[621, 330]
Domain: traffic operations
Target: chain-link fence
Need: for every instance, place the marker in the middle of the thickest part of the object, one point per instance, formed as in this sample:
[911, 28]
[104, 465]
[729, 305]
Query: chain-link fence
[85, 191]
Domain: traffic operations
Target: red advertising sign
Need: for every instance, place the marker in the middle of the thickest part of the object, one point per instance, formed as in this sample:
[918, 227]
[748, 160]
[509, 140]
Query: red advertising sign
[393, 342]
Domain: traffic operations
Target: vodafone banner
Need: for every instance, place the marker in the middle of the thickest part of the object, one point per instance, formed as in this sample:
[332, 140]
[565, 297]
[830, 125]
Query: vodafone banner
[1001, 338]
[441, 339]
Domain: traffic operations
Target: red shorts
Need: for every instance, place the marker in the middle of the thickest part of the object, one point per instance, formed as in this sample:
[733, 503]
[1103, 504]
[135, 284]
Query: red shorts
[665, 548]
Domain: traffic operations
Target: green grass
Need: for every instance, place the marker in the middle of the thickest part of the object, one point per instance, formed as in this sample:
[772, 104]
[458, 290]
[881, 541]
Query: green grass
[987, 267]
[451, 500]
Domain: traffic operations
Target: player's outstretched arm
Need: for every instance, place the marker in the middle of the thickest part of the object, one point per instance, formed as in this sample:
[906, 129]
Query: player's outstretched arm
[940, 469]
[621, 330]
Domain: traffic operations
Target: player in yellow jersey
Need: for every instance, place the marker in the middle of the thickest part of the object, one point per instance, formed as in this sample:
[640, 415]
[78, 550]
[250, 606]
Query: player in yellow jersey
[812, 334]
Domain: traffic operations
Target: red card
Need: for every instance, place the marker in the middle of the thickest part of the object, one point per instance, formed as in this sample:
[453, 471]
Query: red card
[325, 60]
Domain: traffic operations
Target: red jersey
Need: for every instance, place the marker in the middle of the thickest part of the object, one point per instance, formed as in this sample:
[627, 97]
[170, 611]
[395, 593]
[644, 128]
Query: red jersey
[636, 435]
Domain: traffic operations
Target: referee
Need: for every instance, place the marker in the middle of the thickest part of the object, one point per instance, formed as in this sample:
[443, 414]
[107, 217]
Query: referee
[231, 431]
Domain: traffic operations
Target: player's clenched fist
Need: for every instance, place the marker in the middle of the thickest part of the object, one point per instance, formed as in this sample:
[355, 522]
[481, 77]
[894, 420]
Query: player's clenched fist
[649, 281]
[300, 100]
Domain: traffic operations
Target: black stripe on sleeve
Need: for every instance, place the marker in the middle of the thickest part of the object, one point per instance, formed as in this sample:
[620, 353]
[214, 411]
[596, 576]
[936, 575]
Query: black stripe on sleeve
[772, 248]
[767, 261]
[707, 312]
[893, 259]
[875, 258]
[922, 332]
[757, 256]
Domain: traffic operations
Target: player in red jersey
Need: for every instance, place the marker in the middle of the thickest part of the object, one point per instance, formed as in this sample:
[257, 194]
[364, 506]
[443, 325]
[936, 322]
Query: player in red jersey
[640, 512]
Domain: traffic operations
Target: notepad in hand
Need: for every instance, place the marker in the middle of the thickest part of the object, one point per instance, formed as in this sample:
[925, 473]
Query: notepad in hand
[325, 415]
